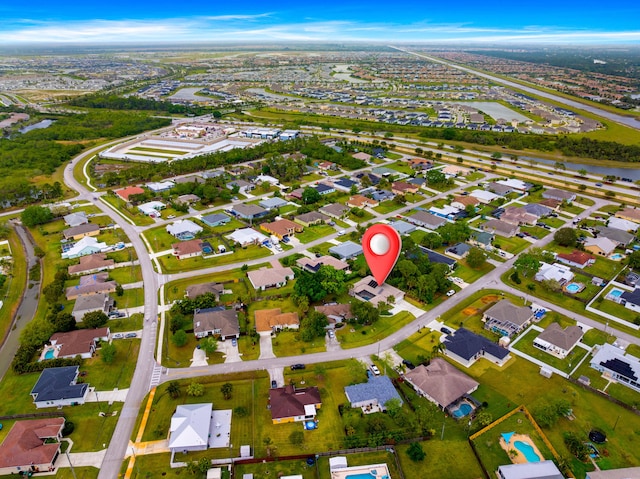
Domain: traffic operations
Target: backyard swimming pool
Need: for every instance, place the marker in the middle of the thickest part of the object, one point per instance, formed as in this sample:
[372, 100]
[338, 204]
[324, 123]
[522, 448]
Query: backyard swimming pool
[574, 288]
[462, 410]
[50, 353]
[614, 294]
[527, 450]
[616, 256]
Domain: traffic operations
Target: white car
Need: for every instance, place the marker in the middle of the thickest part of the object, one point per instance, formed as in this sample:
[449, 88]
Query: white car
[451, 292]
[375, 370]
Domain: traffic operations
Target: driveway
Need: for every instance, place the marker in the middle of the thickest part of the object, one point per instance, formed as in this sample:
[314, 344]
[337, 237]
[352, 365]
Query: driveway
[199, 358]
[231, 352]
[266, 348]
[277, 375]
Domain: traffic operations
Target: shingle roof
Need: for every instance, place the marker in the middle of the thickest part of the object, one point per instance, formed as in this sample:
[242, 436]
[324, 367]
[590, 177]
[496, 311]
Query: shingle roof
[290, 402]
[378, 388]
[80, 230]
[563, 338]
[505, 311]
[467, 344]
[77, 342]
[58, 383]
[441, 381]
[211, 319]
[24, 445]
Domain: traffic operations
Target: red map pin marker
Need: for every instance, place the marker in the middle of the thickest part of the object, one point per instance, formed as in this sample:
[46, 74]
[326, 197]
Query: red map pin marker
[381, 245]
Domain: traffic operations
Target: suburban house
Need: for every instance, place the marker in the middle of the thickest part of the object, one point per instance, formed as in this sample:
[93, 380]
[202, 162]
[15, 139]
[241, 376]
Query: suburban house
[189, 249]
[628, 213]
[88, 303]
[484, 196]
[216, 321]
[282, 228]
[600, 246]
[558, 341]
[426, 220]
[160, 186]
[373, 395]
[273, 320]
[125, 193]
[265, 278]
[311, 218]
[248, 212]
[273, 203]
[247, 236]
[559, 195]
[313, 265]
[184, 229]
[455, 170]
[327, 165]
[346, 250]
[507, 319]
[435, 257]
[86, 246]
[31, 446]
[631, 300]
[92, 284]
[557, 272]
[344, 184]
[189, 429]
[76, 219]
[188, 199]
[289, 404]
[56, 387]
[501, 228]
[531, 470]
[402, 227]
[553, 205]
[367, 289]
[324, 189]
[152, 208]
[499, 189]
[518, 186]
[461, 202]
[440, 382]
[420, 164]
[402, 188]
[273, 181]
[459, 250]
[360, 201]
[196, 290]
[518, 216]
[81, 342]
[215, 219]
[466, 347]
[482, 239]
[361, 155]
[536, 209]
[335, 210]
[577, 259]
[242, 185]
[92, 263]
[78, 232]
[447, 212]
[336, 313]
[623, 225]
[617, 365]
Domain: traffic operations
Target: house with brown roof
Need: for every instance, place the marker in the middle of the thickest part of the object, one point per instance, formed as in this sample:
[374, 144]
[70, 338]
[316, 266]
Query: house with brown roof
[81, 342]
[290, 404]
[92, 263]
[282, 228]
[92, 284]
[360, 201]
[440, 382]
[125, 193]
[367, 289]
[507, 319]
[327, 165]
[628, 213]
[499, 227]
[273, 320]
[311, 218]
[402, 188]
[577, 259]
[420, 164]
[518, 216]
[336, 313]
[31, 446]
[188, 249]
[196, 290]
[461, 202]
[265, 278]
[216, 321]
[335, 210]
[558, 341]
[550, 203]
[361, 155]
[313, 265]
[80, 231]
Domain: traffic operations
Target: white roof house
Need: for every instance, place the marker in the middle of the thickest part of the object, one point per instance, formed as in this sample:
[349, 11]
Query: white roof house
[183, 227]
[152, 208]
[189, 430]
[622, 224]
[514, 184]
[268, 179]
[530, 470]
[484, 196]
[560, 272]
[158, 186]
[86, 246]
[247, 236]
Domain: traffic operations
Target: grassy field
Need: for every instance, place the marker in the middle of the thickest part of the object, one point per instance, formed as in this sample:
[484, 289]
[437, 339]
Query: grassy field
[312, 233]
[525, 344]
[356, 335]
[288, 343]
[387, 207]
[14, 285]
[468, 274]
[170, 264]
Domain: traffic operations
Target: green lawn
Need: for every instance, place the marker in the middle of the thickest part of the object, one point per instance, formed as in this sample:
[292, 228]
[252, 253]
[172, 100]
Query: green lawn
[177, 289]
[387, 207]
[366, 216]
[312, 233]
[170, 264]
[14, 285]
[512, 245]
[536, 231]
[118, 374]
[444, 459]
[468, 274]
[130, 212]
[126, 274]
[288, 343]
[356, 335]
[525, 344]
[278, 468]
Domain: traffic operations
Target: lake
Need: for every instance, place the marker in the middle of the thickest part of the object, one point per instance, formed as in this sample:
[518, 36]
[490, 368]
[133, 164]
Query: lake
[37, 126]
[633, 172]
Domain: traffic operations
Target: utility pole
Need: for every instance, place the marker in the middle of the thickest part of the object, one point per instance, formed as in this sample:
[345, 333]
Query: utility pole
[71, 465]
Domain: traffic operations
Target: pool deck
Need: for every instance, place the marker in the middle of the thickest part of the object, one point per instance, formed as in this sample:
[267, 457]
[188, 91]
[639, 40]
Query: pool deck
[381, 471]
[518, 457]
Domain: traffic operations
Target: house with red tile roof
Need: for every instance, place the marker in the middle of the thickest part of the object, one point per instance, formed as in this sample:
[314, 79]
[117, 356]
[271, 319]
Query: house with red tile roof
[578, 259]
[31, 446]
[126, 192]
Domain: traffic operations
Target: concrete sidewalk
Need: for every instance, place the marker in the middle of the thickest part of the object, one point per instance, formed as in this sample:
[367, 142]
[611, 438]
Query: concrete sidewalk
[117, 395]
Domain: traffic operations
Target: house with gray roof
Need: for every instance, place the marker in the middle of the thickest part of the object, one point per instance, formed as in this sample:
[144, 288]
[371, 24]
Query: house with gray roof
[440, 382]
[501, 228]
[631, 300]
[373, 395]
[189, 429]
[507, 319]
[623, 224]
[56, 387]
[436, 257]
[402, 227]
[459, 250]
[622, 238]
[216, 321]
[559, 195]
[426, 220]
[538, 210]
[482, 239]
[558, 341]
[215, 219]
[248, 212]
[76, 219]
[531, 470]
[80, 231]
[88, 303]
[466, 347]
[335, 210]
[196, 290]
[183, 229]
[346, 250]
[273, 203]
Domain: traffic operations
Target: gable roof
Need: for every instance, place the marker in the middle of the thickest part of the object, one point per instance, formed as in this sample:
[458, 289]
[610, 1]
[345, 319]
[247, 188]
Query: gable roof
[604, 244]
[24, 444]
[290, 402]
[267, 319]
[427, 219]
[196, 290]
[563, 338]
[266, 277]
[58, 383]
[505, 311]
[79, 341]
[76, 219]
[467, 344]
[126, 192]
[348, 249]
[248, 210]
[379, 388]
[610, 357]
[190, 426]
[441, 381]
[578, 257]
[92, 284]
[82, 229]
[215, 218]
[311, 217]
[187, 247]
[334, 209]
[211, 319]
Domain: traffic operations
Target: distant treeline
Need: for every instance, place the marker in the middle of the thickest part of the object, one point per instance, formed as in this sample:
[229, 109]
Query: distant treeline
[115, 102]
[568, 145]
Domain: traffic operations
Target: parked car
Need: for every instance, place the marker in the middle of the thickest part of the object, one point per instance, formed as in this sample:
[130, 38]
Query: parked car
[297, 366]
[408, 364]
[375, 370]
[451, 292]
[274, 384]
[445, 330]
[131, 335]
[118, 336]
[234, 342]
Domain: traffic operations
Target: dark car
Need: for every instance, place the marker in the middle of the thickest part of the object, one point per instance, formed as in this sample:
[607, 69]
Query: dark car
[445, 330]
[274, 384]
[297, 366]
[408, 364]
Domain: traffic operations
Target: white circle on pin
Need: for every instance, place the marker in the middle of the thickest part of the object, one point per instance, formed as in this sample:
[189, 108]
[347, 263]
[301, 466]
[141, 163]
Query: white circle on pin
[379, 244]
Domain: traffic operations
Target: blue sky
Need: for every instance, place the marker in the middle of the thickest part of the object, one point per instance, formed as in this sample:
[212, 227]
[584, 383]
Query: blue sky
[136, 21]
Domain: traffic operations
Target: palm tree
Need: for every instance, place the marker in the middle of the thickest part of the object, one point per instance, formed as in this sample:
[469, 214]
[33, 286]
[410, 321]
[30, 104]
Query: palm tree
[174, 389]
